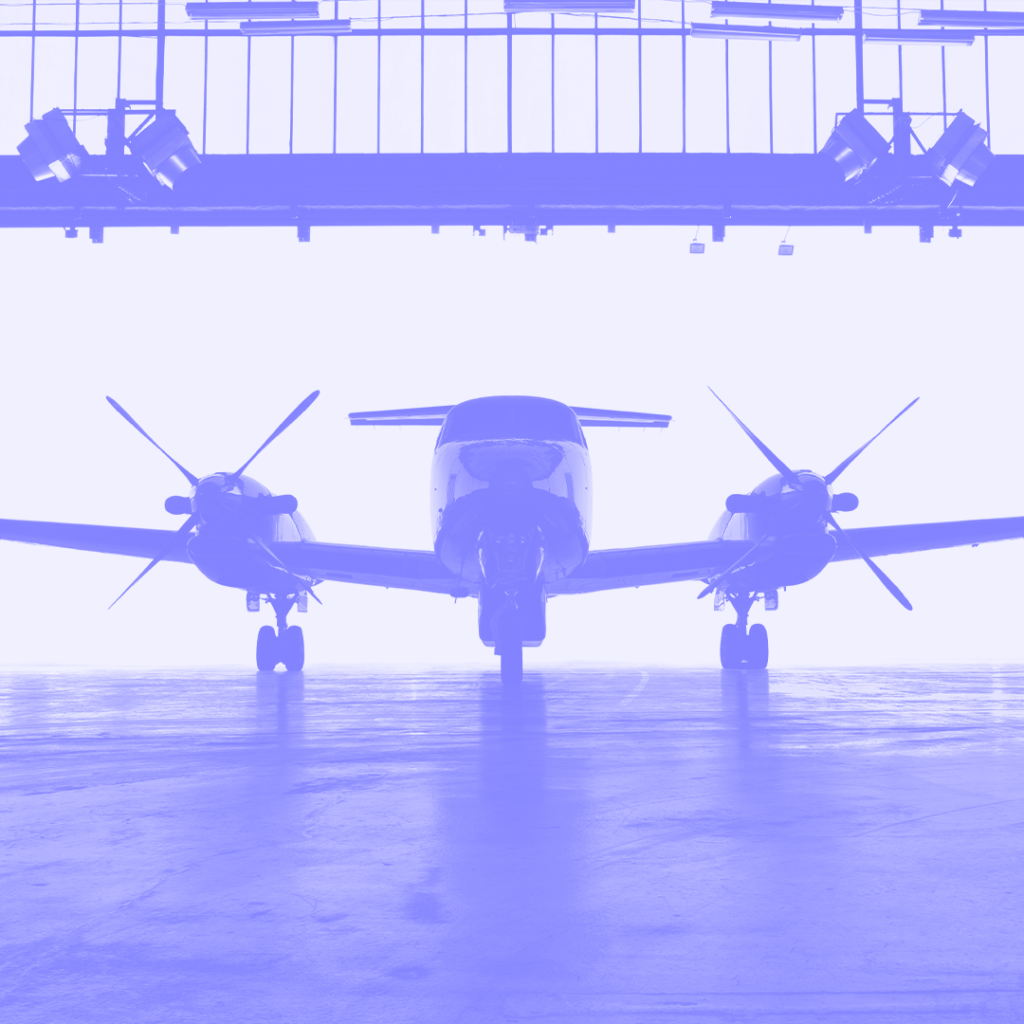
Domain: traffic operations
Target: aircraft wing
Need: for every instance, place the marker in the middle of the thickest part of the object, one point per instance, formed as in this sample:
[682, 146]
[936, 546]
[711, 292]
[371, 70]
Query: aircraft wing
[896, 540]
[111, 540]
[639, 567]
[376, 567]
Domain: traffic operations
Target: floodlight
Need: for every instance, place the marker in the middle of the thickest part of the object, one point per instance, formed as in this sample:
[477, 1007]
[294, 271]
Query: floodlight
[51, 149]
[568, 6]
[244, 11]
[776, 12]
[296, 28]
[697, 248]
[854, 145]
[706, 30]
[786, 249]
[973, 19]
[910, 36]
[961, 153]
[164, 147]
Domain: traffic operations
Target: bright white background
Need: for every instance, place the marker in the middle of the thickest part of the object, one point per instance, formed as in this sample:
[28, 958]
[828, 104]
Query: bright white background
[210, 338]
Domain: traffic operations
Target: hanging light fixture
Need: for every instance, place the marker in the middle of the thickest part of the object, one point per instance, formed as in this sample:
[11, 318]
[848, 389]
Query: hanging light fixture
[51, 149]
[854, 145]
[961, 153]
[164, 146]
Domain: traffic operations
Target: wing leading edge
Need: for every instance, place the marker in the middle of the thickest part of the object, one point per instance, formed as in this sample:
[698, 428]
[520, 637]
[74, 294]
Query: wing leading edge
[109, 540]
[899, 540]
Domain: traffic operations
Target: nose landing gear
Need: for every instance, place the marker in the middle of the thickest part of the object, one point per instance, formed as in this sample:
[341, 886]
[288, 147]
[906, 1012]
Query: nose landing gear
[283, 645]
[740, 648]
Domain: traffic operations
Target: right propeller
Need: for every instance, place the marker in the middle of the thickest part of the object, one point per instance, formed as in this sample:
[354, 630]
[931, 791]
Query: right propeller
[844, 502]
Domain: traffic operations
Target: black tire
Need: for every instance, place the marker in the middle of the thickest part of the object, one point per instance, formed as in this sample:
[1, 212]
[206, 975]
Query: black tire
[757, 647]
[731, 647]
[512, 661]
[293, 649]
[267, 649]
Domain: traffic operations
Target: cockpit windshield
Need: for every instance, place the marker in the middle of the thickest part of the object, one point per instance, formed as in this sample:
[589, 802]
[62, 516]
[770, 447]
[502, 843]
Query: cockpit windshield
[493, 419]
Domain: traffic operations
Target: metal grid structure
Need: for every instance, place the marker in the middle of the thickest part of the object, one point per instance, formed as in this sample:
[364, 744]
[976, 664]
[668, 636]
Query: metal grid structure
[425, 77]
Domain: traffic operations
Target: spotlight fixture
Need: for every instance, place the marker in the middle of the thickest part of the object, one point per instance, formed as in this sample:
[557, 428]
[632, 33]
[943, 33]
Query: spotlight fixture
[229, 11]
[961, 153]
[777, 12]
[854, 145]
[164, 147]
[51, 149]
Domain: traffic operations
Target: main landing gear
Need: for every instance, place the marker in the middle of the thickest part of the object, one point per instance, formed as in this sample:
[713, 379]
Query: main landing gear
[741, 648]
[285, 645]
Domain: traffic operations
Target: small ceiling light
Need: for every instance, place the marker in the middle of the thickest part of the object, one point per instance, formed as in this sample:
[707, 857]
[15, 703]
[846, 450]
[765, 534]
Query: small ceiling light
[51, 149]
[164, 147]
[910, 36]
[961, 153]
[296, 28]
[786, 249]
[696, 248]
[854, 145]
[706, 30]
[776, 12]
[228, 11]
[973, 19]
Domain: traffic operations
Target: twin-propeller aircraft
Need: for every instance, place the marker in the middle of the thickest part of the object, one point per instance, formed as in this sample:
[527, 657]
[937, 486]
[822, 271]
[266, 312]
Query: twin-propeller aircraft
[511, 507]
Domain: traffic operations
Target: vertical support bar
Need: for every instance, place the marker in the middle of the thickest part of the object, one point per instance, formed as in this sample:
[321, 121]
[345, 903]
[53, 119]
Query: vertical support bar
[682, 41]
[640, 75]
[248, 93]
[988, 108]
[945, 118]
[899, 49]
[291, 100]
[120, 30]
[508, 82]
[161, 45]
[334, 130]
[728, 140]
[206, 81]
[814, 89]
[378, 75]
[552, 83]
[858, 50]
[597, 93]
[423, 57]
[32, 66]
[74, 81]
[771, 102]
[465, 77]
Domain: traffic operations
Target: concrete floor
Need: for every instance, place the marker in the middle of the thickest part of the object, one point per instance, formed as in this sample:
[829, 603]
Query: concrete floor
[623, 846]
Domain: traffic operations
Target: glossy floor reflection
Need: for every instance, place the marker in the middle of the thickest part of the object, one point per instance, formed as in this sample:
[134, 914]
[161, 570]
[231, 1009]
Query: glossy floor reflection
[432, 848]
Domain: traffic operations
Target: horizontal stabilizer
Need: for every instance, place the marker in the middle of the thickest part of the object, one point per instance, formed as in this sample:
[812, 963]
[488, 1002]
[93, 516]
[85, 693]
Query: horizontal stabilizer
[430, 416]
[610, 418]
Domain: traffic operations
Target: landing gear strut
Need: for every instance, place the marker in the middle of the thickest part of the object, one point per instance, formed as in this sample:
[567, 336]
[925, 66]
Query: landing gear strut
[285, 645]
[508, 641]
[740, 648]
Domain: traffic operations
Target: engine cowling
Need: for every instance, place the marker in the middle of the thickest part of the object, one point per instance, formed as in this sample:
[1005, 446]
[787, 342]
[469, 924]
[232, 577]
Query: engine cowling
[178, 505]
[746, 503]
[844, 502]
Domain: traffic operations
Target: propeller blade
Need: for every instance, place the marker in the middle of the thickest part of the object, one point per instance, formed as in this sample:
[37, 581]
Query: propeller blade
[288, 421]
[192, 479]
[721, 576]
[886, 582]
[303, 585]
[764, 449]
[184, 528]
[829, 478]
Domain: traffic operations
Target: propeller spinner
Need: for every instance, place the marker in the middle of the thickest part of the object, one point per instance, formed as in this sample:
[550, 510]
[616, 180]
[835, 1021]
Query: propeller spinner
[843, 502]
[218, 486]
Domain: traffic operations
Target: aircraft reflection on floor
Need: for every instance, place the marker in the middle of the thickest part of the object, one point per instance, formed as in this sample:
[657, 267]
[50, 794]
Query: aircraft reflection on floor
[511, 505]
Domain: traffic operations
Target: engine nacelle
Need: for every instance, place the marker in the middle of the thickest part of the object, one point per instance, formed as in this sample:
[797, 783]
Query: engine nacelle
[844, 502]
[278, 504]
[178, 505]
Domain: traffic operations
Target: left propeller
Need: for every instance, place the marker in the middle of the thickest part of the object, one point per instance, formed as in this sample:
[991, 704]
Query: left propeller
[844, 502]
[180, 505]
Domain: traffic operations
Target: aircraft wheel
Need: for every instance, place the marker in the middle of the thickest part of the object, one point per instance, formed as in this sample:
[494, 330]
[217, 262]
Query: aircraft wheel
[757, 647]
[512, 661]
[731, 647]
[293, 649]
[267, 649]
